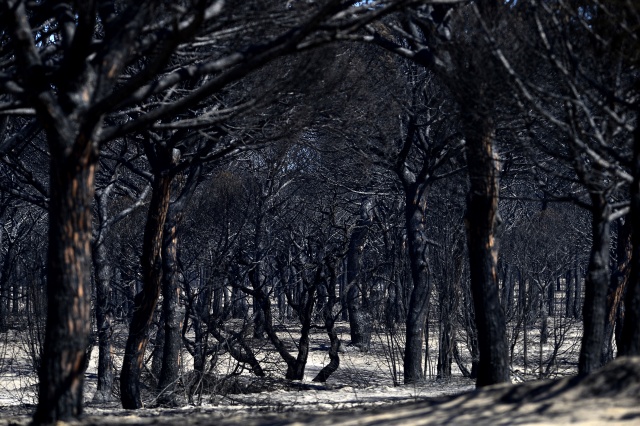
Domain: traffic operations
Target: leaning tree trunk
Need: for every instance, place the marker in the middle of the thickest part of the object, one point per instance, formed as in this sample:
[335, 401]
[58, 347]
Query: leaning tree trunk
[145, 301]
[64, 355]
[482, 220]
[595, 287]
[415, 209]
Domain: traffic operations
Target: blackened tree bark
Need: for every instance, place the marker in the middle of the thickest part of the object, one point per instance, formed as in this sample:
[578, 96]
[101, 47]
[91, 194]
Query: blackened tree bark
[104, 319]
[66, 102]
[170, 318]
[482, 220]
[597, 277]
[92, 43]
[171, 315]
[71, 136]
[103, 274]
[475, 83]
[415, 217]
[68, 273]
[297, 364]
[329, 323]
[145, 301]
[617, 286]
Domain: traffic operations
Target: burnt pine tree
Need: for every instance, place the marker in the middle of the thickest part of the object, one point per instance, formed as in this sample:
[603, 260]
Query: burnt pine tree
[461, 59]
[593, 122]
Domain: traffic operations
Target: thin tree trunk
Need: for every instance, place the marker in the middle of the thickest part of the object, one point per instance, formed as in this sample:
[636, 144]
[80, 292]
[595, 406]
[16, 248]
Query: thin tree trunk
[569, 294]
[329, 322]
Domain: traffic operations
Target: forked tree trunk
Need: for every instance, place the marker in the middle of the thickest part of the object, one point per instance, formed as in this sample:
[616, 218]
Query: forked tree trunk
[64, 355]
[329, 323]
[482, 220]
[145, 301]
[595, 287]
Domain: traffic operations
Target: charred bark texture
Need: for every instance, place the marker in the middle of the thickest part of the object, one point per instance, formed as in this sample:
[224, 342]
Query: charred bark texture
[171, 314]
[595, 288]
[415, 218]
[171, 319]
[64, 355]
[145, 301]
[617, 286]
[482, 219]
[104, 319]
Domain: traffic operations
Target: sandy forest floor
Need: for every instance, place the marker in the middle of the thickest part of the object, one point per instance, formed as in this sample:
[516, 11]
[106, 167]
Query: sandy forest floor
[361, 392]
[609, 397]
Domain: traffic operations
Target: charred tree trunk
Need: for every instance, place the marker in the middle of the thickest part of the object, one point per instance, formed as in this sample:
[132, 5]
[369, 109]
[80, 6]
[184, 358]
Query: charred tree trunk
[596, 284]
[482, 219]
[103, 303]
[170, 318]
[415, 212]
[329, 323]
[358, 324]
[104, 319]
[171, 314]
[507, 291]
[569, 294]
[145, 301]
[617, 286]
[64, 355]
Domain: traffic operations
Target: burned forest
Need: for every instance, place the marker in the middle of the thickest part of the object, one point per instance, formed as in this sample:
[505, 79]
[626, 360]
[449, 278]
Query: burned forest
[306, 206]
